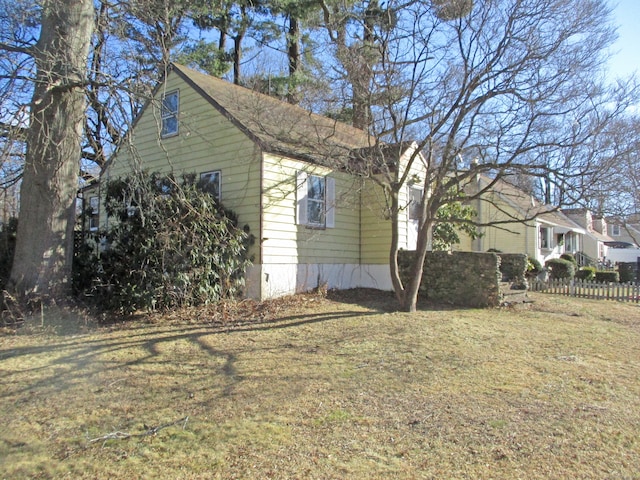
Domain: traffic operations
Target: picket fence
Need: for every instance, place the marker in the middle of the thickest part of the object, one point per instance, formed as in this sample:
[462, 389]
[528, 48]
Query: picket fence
[623, 292]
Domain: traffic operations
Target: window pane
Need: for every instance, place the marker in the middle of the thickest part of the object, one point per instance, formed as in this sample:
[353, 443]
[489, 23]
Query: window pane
[170, 114]
[315, 200]
[169, 125]
[94, 202]
[316, 188]
[544, 237]
[94, 218]
[415, 197]
[170, 104]
[315, 212]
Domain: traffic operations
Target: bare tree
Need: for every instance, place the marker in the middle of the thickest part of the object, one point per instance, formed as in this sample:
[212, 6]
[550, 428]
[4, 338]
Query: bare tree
[613, 188]
[131, 50]
[511, 88]
[56, 116]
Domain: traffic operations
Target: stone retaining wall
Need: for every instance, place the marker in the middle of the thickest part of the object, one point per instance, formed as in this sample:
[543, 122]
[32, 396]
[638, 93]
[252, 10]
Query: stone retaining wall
[468, 279]
[513, 267]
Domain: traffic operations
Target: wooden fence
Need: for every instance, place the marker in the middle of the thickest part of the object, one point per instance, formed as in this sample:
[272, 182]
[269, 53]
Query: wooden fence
[623, 292]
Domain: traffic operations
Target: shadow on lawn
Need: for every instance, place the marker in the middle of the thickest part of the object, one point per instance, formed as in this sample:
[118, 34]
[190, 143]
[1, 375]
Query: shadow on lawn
[57, 366]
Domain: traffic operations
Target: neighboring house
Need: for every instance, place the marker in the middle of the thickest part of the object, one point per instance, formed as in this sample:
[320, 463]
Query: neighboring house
[291, 176]
[626, 237]
[515, 222]
[596, 238]
[624, 231]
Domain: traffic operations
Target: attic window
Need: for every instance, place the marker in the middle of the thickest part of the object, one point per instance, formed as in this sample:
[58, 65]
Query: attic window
[170, 106]
[615, 230]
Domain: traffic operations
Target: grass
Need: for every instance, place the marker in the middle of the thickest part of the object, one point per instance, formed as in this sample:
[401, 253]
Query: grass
[327, 388]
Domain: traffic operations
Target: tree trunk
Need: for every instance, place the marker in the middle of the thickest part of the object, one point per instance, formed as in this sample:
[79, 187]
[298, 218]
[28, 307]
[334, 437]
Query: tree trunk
[407, 292]
[293, 54]
[237, 45]
[362, 74]
[409, 301]
[44, 244]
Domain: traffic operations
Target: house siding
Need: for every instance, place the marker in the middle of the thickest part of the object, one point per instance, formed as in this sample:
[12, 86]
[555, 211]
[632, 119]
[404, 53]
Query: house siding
[206, 141]
[376, 229]
[375, 221]
[297, 258]
[508, 238]
[285, 242]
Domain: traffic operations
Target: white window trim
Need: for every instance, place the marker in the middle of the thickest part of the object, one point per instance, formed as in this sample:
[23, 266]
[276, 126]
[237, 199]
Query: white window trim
[203, 175]
[302, 190]
[165, 115]
[548, 238]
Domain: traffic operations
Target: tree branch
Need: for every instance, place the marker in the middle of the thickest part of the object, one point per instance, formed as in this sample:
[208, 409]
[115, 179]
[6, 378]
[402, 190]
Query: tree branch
[16, 49]
[117, 435]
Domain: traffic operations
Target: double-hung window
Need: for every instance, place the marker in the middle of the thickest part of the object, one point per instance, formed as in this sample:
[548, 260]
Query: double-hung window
[315, 201]
[615, 230]
[545, 238]
[169, 114]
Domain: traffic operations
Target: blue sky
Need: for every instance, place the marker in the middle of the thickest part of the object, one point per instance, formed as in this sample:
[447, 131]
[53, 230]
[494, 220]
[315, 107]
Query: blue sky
[627, 60]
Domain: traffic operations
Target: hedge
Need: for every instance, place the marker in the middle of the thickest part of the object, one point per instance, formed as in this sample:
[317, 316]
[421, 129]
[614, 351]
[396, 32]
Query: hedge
[607, 276]
[560, 268]
[586, 273]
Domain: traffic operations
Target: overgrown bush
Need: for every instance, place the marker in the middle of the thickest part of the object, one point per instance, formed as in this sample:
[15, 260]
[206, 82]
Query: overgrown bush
[169, 244]
[560, 268]
[586, 273]
[606, 276]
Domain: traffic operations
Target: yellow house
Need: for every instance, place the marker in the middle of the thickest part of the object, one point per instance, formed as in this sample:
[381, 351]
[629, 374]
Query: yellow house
[515, 222]
[288, 174]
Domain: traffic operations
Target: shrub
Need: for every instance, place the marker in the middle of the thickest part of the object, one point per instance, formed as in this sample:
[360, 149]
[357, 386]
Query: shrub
[586, 273]
[570, 258]
[607, 276]
[171, 245]
[560, 268]
[534, 267]
[627, 271]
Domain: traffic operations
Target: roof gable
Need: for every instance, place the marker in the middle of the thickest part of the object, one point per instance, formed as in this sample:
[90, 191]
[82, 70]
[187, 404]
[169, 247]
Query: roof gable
[276, 126]
[528, 206]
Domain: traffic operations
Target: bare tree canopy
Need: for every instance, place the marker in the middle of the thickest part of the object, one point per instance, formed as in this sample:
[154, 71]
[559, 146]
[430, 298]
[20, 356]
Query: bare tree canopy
[509, 88]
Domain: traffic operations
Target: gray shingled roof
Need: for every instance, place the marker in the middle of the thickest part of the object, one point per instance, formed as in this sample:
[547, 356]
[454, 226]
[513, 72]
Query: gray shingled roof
[279, 127]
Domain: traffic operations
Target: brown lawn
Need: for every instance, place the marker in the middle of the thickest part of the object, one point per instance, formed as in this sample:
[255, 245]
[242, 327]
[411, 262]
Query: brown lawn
[324, 388]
